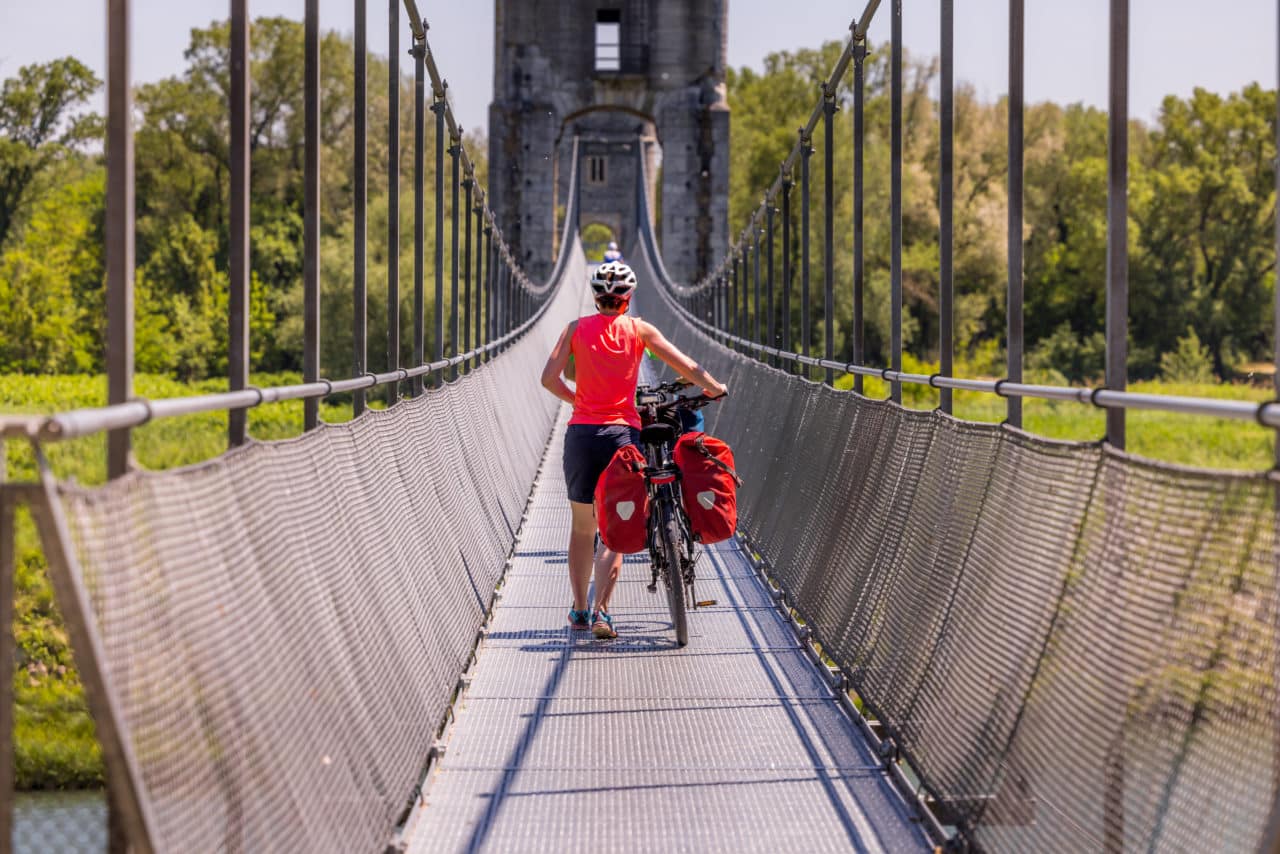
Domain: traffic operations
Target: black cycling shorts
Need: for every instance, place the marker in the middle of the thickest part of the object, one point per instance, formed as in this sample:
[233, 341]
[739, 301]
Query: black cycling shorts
[588, 448]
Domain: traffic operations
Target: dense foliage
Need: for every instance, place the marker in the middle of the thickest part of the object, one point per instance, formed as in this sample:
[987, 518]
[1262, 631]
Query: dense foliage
[52, 197]
[1201, 226]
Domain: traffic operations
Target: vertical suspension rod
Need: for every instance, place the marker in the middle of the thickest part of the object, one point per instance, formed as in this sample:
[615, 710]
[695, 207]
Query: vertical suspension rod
[1014, 300]
[360, 307]
[828, 236]
[1118, 217]
[454, 149]
[786, 264]
[755, 267]
[238, 226]
[393, 197]
[466, 268]
[311, 215]
[946, 202]
[119, 227]
[419, 208]
[857, 354]
[895, 201]
[437, 329]
[806, 330]
[769, 306]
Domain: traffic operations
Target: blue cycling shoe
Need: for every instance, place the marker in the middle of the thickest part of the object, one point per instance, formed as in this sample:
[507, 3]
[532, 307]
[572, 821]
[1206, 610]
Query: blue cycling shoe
[602, 626]
[579, 620]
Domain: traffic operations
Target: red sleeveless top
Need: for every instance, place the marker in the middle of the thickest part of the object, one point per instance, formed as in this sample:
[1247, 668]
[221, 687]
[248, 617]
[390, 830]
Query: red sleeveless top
[606, 350]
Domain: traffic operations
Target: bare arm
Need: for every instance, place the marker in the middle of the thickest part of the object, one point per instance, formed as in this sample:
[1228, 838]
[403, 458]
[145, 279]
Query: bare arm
[679, 362]
[555, 366]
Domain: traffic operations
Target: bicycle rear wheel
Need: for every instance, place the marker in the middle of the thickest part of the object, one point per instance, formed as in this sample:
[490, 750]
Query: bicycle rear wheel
[670, 534]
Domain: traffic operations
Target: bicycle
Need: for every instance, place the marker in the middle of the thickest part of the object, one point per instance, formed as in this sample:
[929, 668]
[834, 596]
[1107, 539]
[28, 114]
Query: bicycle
[673, 552]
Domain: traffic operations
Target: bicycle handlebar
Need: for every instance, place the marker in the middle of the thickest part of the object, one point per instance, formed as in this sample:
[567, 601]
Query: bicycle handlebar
[669, 397]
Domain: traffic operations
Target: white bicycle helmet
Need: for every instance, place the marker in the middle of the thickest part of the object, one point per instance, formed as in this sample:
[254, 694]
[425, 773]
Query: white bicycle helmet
[613, 278]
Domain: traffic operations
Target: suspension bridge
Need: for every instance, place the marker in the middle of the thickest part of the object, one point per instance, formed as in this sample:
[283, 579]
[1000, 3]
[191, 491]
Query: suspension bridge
[928, 632]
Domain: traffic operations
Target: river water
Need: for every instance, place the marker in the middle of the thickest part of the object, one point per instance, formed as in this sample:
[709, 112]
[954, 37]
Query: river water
[59, 821]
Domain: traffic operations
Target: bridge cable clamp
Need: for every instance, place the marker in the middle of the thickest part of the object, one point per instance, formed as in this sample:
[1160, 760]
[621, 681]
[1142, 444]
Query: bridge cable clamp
[1093, 397]
[328, 384]
[261, 397]
[933, 377]
[146, 406]
[1261, 412]
[1000, 383]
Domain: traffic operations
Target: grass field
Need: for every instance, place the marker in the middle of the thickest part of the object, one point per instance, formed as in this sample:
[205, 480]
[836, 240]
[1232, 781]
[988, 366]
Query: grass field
[54, 741]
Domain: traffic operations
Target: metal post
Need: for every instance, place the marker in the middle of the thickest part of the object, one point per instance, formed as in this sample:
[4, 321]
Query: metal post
[311, 213]
[858, 355]
[393, 196]
[419, 52]
[806, 330]
[718, 311]
[828, 237]
[1014, 302]
[454, 151]
[895, 201]
[755, 267]
[360, 321]
[740, 294]
[479, 311]
[238, 224]
[6, 661]
[490, 270]
[1275, 321]
[131, 820]
[731, 298]
[119, 227]
[466, 267]
[1118, 218]
[946, 204]
[437, 350]
[786, 265]
[769, 307]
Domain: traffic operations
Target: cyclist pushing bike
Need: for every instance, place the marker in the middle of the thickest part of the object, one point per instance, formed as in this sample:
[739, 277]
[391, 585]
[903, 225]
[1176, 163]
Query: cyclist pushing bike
[607, 348]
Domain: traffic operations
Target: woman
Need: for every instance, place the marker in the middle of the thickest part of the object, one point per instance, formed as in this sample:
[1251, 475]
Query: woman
[606, 349]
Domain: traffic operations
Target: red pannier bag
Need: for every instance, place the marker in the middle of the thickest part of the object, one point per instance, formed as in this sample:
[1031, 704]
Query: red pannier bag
[622, 501]
[709, 486]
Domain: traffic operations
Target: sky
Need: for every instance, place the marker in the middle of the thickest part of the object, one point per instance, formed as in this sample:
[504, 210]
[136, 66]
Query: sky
[1175, 45]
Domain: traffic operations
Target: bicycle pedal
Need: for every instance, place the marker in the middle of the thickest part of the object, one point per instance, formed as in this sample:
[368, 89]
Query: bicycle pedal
[705, 603]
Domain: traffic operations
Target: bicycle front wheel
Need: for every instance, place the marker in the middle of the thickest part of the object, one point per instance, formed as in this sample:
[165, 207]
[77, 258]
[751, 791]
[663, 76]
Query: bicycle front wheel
[671, 542]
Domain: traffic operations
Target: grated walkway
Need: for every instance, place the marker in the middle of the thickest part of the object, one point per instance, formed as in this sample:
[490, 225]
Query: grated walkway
[565, 743]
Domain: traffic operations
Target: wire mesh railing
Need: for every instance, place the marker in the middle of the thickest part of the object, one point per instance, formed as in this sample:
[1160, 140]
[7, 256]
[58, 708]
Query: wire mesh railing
[1068, 647]
[1071, 648]
[267, 641]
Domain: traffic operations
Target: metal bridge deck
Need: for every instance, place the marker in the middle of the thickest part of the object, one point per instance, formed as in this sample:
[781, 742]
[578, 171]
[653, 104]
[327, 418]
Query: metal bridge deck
[565, 743]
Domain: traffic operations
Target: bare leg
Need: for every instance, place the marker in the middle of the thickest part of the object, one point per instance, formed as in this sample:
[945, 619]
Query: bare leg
[581, 540]
[608, 566]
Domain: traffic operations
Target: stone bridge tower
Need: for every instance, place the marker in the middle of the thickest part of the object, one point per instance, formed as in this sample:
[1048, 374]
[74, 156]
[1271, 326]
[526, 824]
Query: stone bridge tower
[617, 74]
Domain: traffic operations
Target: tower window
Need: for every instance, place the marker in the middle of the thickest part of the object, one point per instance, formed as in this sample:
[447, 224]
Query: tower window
[596, 173]
[609, 40]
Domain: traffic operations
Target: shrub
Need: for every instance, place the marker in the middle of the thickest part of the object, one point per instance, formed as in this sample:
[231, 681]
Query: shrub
[1189, 363]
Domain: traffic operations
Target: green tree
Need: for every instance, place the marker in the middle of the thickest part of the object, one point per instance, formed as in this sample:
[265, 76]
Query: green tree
[1205, 209]
[37, 130]
[50, 284]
